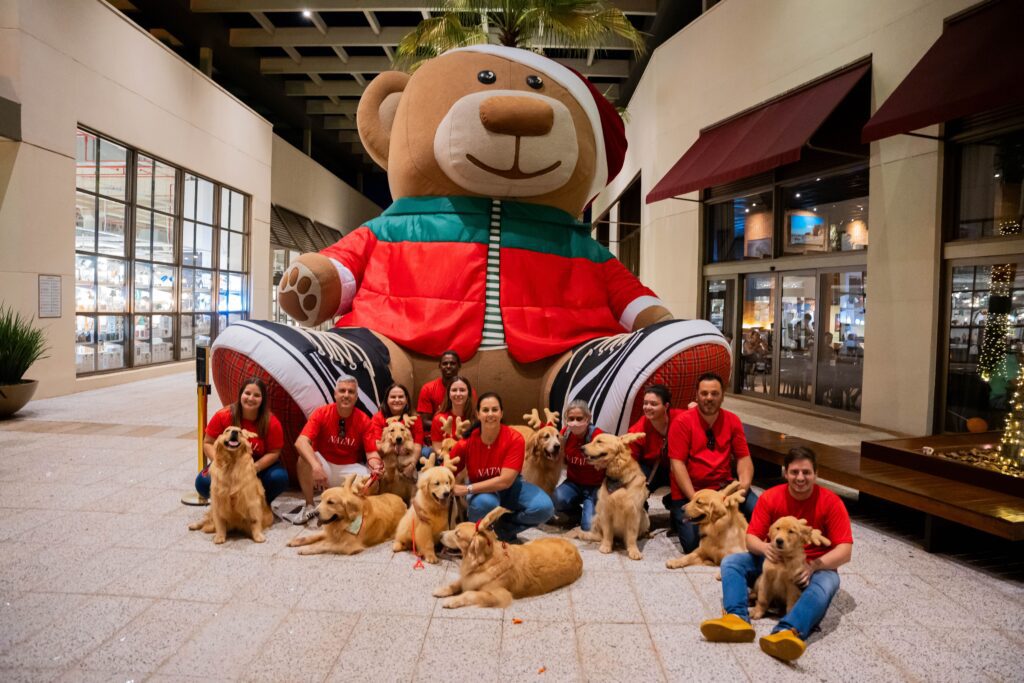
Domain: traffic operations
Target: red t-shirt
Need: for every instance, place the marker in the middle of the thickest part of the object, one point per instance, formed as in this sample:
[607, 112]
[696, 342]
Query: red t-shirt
[653, 446]
[322, 429]
[377, 428]
[484, 462]
[578, 469]
[824, 511]
[688, 441]
[262, 444]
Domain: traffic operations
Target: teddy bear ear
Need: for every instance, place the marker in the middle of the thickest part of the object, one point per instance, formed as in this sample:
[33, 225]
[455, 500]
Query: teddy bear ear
[376, 113]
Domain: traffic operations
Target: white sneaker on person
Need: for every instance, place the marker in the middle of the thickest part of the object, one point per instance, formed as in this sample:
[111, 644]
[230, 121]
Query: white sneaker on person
[300, 514]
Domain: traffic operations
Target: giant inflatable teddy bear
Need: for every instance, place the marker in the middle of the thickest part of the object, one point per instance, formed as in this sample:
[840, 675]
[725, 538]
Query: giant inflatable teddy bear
[492, 154]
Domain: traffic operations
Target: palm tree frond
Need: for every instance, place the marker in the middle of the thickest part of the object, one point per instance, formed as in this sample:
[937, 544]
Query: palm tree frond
[433, 37]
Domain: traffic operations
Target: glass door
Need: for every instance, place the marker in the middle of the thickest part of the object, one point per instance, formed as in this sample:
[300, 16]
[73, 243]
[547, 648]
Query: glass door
[797, 323]
[756, 343]
[720, 311]
[841, 341]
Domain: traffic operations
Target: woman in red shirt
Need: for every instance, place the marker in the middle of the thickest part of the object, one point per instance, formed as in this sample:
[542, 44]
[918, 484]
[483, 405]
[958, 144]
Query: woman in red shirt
[493, 456]
[250, 411]
[582, 480]
[396, 403]
[456, 402]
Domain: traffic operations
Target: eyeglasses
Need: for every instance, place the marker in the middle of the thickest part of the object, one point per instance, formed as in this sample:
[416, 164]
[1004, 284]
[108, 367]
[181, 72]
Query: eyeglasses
[710, 434]
[341, 427]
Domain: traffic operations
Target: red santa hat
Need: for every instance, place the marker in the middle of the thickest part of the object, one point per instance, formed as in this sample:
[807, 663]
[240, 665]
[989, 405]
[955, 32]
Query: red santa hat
[609, 131]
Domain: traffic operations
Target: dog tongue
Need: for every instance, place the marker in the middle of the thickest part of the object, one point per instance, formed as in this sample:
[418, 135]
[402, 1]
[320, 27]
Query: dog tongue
[234, 444]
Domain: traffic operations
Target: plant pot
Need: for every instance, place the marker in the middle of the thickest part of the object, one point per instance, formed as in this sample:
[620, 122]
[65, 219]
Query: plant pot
[13, 397]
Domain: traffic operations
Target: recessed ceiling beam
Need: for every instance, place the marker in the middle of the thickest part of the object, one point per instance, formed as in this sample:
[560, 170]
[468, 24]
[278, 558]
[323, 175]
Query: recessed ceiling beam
[609, 68]
[339, 123]
[648, 7]
[319, 22]
[262, 20]
[328, 88]
[340, 109]
[309, 36]
[372, 20]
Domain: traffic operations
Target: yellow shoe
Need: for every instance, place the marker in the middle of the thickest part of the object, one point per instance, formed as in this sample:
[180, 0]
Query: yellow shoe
[728, 628]
[785, 645]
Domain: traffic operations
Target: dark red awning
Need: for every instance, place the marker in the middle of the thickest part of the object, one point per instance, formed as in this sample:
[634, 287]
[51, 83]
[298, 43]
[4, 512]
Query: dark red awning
[977, 64]
[759, 140]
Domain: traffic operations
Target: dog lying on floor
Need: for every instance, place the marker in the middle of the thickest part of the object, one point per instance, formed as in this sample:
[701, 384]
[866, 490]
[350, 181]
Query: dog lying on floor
[351, 520]
[492, 573]
[399, 454]
[237, 499]
[723, 528]
[428, 514]
[544, 457]
[620, 500]
[777, 583]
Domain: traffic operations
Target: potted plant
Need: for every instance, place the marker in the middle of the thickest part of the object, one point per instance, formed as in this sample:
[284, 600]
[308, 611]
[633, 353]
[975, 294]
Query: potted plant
[21, 345]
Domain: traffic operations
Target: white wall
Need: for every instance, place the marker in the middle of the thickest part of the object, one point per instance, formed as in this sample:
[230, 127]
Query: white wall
[743, 52]
[307, 188]
[81, 62]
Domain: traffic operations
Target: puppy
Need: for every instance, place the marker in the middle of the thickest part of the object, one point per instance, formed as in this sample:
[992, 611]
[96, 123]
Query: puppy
[620, 500]
[428, 516]
[352, 521]
[237, 499]
[493, 573]
[544, 457]
[723, 529]
[453, 425]
[399, 454]
[777, 583]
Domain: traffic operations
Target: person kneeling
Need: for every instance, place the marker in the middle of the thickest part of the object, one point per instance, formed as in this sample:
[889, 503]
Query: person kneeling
[577, 495]
[493, 455]
[802, 498]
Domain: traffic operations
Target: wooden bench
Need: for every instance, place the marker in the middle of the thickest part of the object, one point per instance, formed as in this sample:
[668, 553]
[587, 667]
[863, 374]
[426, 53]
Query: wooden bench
[938, 497]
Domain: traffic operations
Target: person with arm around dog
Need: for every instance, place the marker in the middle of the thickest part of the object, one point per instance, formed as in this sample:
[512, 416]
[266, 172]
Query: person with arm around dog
[577, 495]
[458, 402]
[493, 455]
[803, 498]
[652, 451]
[332, 445]
[250, 411]
[396, 404]
[702, 443]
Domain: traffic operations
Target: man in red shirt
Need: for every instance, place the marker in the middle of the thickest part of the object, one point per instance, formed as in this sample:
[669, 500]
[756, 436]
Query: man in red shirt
[432, 393]
[702, 443]
[332, 445]
[800, 497]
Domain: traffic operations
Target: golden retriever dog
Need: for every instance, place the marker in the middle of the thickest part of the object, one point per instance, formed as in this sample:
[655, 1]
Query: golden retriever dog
[453, 425]
[620, 500]
[399, 454]
[777, 583]
[723, 528]
[351, 521]
[492, 573]
[544, 456]
[237, 499]
[428, 514]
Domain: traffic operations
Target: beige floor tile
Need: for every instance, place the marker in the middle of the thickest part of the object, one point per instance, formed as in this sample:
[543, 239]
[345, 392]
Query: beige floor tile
[26, 614]
[384, 647]
[605, 597]
[686, 656]
[303, 648]
[475, 645]
[618, 652]
[668, 598]
[531, 646]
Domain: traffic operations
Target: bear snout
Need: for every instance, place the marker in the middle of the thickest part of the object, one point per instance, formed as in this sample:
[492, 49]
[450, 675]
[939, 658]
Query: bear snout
[519, 116]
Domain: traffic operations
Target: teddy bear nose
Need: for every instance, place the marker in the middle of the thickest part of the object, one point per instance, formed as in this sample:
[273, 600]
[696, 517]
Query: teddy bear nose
[520, 116]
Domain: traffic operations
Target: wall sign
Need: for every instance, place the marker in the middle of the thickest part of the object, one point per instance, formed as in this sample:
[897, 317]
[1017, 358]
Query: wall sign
[49, 296]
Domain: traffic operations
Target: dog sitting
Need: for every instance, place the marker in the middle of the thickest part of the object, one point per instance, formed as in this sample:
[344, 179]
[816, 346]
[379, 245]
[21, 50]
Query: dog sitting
[453, 425]
[428, 515]
[777, 583]
[351, 520]
[544, 456]
[620, 500]
[237, 499]
[723, 528]
[399, 454]
[493, 573]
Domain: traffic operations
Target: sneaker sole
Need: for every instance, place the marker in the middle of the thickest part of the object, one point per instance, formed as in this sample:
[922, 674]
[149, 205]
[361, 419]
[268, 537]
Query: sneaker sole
[786, 650]
[717, 633]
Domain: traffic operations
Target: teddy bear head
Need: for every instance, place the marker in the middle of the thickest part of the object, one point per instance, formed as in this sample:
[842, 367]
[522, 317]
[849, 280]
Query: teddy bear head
[492, 121]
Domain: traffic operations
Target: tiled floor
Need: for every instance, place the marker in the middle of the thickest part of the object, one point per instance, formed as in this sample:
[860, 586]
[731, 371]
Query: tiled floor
[100, 580]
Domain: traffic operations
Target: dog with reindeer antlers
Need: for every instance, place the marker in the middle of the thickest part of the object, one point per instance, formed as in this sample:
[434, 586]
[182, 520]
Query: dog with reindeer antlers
[542, 466]
[429, 513]
[399, 454]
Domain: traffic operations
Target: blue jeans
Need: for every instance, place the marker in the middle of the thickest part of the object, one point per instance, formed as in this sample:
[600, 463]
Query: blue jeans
[527, 504]
[739, 572]
[274, 478]
[569, 496]
[689, 533]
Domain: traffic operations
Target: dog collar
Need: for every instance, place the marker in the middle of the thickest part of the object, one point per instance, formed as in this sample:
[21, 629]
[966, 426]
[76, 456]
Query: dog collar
[613, 484]
[356, 525]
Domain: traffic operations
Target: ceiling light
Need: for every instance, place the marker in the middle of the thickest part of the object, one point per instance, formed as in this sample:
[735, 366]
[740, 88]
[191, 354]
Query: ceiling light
[306, 13]
[817, 180]
[754, 204]
[746, 210]
[998, 174]
[798, 195]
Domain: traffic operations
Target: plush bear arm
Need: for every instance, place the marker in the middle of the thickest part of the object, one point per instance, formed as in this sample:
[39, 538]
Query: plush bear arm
[317, 287]
[631, 302]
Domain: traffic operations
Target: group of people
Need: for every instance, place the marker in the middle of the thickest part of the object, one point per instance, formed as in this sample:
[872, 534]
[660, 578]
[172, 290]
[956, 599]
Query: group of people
[702, 446]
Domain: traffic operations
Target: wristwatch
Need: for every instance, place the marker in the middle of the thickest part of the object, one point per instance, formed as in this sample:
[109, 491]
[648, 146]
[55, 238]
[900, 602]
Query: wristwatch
[469, 488]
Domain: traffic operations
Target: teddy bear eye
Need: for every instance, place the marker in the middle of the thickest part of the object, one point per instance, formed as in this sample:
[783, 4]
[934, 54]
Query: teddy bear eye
[535, 82]
[486, 77]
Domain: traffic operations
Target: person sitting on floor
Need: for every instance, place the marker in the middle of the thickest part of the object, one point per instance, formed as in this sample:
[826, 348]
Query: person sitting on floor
[493, 455]
[577, 494]
[702, 443]
[652, 451]
[803, 498]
